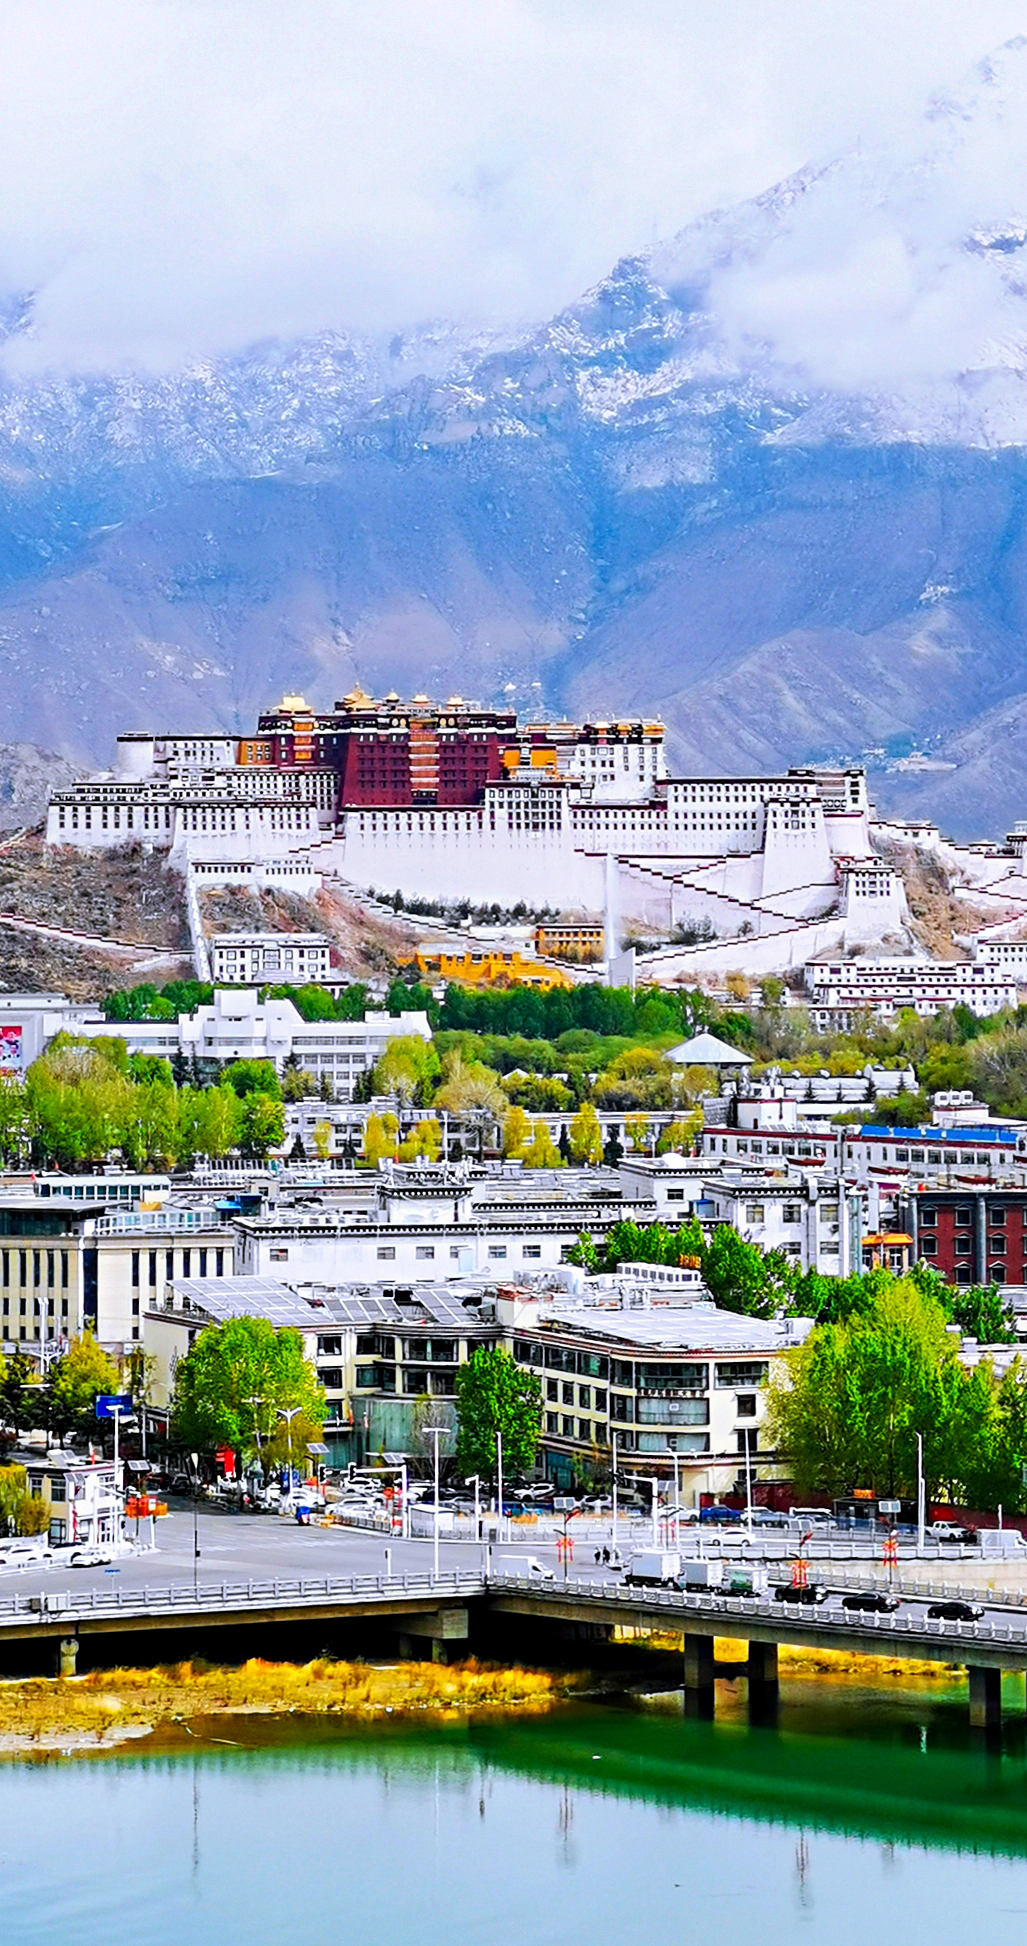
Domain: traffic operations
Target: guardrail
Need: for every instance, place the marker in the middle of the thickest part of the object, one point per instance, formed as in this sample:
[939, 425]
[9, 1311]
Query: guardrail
[709, 1606]
[181, 1597]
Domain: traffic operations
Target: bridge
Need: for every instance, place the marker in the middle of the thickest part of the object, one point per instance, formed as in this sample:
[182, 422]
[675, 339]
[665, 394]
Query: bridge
[446, 1612]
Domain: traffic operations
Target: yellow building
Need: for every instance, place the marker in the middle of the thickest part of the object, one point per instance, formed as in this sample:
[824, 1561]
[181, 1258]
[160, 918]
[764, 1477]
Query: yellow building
[488, 969]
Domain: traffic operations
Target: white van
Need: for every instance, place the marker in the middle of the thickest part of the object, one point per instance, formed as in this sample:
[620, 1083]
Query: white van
[30, 1552]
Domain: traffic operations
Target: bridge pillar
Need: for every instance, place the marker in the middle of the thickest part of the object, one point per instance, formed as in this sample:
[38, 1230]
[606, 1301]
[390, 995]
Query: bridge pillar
[446, 1630]
[985, 1697]
[761, 1673]
[700, 1688]
[67, 1655]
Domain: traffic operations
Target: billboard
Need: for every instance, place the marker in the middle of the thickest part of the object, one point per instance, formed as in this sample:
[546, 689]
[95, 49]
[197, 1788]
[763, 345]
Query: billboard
[10, 1049]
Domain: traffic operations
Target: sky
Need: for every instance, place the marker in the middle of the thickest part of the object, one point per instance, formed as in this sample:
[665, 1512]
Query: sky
[182, 178]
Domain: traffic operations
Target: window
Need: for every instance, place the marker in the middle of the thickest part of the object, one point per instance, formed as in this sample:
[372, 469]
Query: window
[998, 1215]
[219, 1263]
[553, 1389]
[585, 1395]
[135, 1266]
[745, 1405]
[928, 1218]
[621, 1409]
[330, 1347]
[600, 1400]
[497, 1249]
[135, 1307]
[532, 1250]
[584, 1429]
[552, 1422]
[425, 1253]
[169, 1265]
[964, 1216]
[997, 1243]
[734, 1372]
[929, 1246]
[998, 1273]
[748, 1439]
[754, 1212]
[568, 1426]
[386, 1253]
[203, 1261]
[568, 1395]
[962, 1246]
[153, 1267]
[675, 1195]
[366, 1377]
[280, 1256]
[791, 1213]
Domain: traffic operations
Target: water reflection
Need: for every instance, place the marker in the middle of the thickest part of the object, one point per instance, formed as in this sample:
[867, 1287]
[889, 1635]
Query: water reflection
[863, 1816]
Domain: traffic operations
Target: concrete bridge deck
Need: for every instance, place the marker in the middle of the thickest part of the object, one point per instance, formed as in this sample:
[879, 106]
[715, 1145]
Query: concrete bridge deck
[416, 1605]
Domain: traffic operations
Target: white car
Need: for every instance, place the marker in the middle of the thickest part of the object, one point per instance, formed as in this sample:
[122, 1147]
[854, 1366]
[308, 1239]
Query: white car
[26, 1553]
[96, 1556]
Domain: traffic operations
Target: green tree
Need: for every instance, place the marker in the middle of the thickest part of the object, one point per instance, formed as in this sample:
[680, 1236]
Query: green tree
[540, 1151]
[262, 1125]
[21, 1397]
[586, 1136]
[983, 1314]
[496, 1396]
[230, 1386]
[516, 1131]
[408, 1068]
[322, 1140]
[75, 1382]
[740, 1277]
[425, 1138]
[252, 1078]
[680, 1136]
[845, 1407]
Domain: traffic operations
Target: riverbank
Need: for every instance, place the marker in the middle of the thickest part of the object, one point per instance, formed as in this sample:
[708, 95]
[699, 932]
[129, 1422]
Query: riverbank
[112, 1706]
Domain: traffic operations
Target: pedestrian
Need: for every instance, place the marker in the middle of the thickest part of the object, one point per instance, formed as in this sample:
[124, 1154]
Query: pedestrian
[606, 1557]
[598, 1557]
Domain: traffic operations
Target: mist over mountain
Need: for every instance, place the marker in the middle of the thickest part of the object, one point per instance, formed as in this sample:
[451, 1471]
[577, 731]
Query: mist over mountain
[767, 480]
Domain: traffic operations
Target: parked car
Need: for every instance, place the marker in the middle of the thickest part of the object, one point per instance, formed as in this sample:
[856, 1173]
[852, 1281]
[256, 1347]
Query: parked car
[27, 1553]
[955, 1611]
[811, 1516]
[871, 1602]
[720, 1516]
[809, 1597]
[90, 1557]
[768, 1517]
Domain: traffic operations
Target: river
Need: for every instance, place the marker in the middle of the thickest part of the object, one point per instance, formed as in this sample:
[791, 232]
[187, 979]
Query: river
[862, 1818]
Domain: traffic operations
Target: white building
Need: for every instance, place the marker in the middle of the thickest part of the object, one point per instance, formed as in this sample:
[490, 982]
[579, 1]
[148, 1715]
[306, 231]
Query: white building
[270, 958]
[239, 1026]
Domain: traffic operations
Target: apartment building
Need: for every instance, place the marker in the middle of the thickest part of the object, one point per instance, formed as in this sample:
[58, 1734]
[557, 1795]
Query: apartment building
[270, 958]
[65, 1269]
[665, 1378]
[972, 1233]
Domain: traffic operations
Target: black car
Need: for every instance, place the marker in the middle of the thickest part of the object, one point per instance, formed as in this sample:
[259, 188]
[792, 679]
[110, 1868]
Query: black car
[955, 1611]
[871, 1603]
[811, 1596]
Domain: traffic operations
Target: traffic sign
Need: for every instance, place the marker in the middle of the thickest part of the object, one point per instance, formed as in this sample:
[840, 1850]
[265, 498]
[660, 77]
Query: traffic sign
[564, 1503]
[889, 1506]
[111, 1403]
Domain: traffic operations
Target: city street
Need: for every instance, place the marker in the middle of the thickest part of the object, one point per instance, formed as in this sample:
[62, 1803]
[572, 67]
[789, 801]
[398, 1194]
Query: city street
[240, 1547]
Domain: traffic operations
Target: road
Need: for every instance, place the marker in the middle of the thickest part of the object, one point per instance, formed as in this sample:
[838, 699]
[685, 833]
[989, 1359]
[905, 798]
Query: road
[238, 1547]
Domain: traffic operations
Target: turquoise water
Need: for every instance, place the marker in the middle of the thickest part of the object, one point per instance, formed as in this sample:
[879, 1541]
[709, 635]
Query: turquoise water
[859, 1818]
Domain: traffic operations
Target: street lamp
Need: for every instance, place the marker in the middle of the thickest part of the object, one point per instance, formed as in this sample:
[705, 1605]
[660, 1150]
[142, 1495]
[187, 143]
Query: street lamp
[255, 1399]
[436, 1433]
[288, 1413]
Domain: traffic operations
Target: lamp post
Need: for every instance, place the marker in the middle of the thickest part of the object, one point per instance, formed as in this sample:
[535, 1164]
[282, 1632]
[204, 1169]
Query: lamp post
[256, 1400]
[613, 1538]
[921, 1497]
[288, 1413]
[655, 1484]
[499, 1470]
[436, 1434]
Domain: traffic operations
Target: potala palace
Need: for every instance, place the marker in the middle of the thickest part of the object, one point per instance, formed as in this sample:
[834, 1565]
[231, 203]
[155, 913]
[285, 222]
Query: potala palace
[457, 801]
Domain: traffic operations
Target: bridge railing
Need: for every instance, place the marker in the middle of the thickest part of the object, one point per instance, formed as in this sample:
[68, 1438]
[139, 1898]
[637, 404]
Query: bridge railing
[186, 1597]
[812, 1620]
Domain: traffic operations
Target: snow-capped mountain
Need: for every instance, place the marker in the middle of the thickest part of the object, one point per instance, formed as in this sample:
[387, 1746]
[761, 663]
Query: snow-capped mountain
[767, 478]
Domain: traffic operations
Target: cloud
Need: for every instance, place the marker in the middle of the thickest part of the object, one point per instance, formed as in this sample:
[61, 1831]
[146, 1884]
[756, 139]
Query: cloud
[906, 263]
[182, 177]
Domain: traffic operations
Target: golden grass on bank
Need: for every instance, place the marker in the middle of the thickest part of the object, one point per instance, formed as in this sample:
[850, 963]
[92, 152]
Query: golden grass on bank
[796, 1661]
[107, 1706]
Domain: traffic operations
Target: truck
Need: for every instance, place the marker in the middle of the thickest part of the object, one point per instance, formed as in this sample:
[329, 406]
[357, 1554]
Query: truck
[701, 1574]
[654, 1568]
[1000, 1543]
[742, 1578]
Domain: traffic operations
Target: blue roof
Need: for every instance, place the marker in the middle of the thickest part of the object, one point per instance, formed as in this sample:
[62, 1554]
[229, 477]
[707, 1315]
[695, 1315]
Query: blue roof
[961, 1136]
